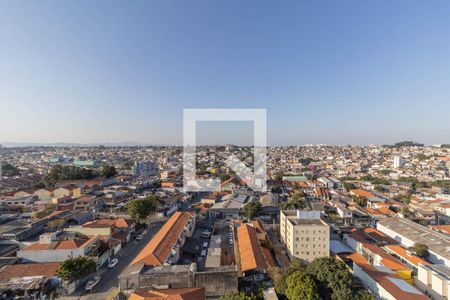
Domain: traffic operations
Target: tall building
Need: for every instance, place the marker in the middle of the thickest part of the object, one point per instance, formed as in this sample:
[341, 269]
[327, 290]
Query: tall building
[305, 235]
[398, 161]
[145, 168]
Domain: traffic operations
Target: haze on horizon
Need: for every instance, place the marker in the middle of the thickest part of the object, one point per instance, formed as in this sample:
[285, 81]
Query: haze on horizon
[333, 72]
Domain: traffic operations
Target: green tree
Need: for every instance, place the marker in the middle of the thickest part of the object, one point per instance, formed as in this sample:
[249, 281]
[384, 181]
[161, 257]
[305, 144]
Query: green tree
[379, 188]
[109, 171]
[364, 295]
[238, 296]
[297, 201]
[349, 186]
[9, 170]
[76, 268]
[361, 201]
[332, 278]
[300, 285]
[295, 266]
[140, 209]
[421, 157]
[405, 211]
[59, 172]
[421, 250]
[251, 209]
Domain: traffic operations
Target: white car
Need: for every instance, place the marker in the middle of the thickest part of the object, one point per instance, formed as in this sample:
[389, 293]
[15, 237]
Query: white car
[92, 283]
[113, 263]
[205, 234]
[139, 237]
[231, 241]
[144, 232]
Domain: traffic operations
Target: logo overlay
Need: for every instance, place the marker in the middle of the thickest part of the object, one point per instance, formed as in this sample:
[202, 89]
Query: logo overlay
[256, 180]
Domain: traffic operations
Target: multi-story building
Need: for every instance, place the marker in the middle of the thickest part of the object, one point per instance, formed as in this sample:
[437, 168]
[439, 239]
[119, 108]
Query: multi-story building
[145, 168]
[305, 235]
[398, 161]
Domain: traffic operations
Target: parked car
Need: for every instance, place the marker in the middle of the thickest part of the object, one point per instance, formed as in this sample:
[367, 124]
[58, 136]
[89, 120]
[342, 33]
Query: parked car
[205, 234]
[113, 263]
[231, 241]
[205, 245]
[203, 253]
[92, 283]
[139, 237]
[144, 232]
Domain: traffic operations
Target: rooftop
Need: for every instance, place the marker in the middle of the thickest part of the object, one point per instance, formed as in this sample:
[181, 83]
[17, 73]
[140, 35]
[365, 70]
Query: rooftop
[437, 242]
[158, 249]
[193, 293]
[250, 251]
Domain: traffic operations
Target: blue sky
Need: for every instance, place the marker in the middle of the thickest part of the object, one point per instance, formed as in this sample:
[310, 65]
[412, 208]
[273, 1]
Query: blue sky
[336, 72]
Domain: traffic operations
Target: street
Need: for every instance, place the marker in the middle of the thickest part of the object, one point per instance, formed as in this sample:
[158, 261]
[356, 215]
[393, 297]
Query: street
[125, 256]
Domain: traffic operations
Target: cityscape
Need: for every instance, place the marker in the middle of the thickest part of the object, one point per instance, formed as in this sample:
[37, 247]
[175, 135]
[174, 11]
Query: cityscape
[224, 150]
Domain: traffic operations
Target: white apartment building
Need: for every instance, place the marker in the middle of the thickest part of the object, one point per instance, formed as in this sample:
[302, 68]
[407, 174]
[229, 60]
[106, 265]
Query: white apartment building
[398, 161]
[305, 235]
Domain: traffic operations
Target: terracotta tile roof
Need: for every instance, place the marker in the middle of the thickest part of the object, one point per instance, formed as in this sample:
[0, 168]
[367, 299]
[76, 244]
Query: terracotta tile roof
[400, 251]
[235, 180]
[269, 258]
[100, 223]
[193, 293]
[59, 245]
[386, 259]
[158, 249]
[442, 228]
[386, 211]
[379, 237]
[124, 223]
[358, 259]
[25, 270]
[374, 212]
[250, 251]
[362, 193]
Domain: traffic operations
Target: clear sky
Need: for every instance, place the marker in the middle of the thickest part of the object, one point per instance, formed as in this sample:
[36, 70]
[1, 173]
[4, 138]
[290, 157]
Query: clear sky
[336, 72]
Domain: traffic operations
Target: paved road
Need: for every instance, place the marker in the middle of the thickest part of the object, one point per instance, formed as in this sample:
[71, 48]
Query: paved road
[125, 256]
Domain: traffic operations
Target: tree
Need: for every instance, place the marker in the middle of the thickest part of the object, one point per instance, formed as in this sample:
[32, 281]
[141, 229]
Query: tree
[379, 188]
[300, 285]
[251, 209]
[421, 250]
[295, 266]
[140, 209]
[405, 211]
[348, 186]
[332, 278]
[297, 201]
[361, 201]
[364, 295]
[238, 296]
[76, 268]
[9, 170]
[59, 172]
[109, 171]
